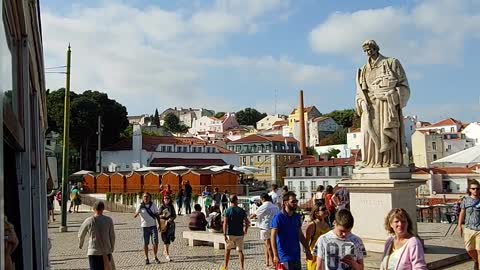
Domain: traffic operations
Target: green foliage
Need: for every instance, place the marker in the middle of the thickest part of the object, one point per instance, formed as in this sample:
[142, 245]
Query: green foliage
[219, 114]
[249, 116]
[338, 137]
[156, 119]
[172, 124]
[333, 153]
[311, 151]
[346, 118]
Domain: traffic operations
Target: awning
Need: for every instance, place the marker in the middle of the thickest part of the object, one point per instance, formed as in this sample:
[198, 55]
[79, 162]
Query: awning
[468, 156]
[187, 162]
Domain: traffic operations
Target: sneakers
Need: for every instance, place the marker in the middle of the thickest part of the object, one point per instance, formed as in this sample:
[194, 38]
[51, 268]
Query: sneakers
[168, 258]
[157, 261]
[147, 262]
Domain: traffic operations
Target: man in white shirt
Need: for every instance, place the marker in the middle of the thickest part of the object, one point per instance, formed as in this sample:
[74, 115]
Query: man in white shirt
[276, 196]
[149, 214]
[264, 216]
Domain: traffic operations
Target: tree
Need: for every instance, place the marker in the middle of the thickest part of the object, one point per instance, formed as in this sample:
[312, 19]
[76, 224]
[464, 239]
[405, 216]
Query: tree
[332, 153]
[346, 118]
[172, 124]
[84, 111]
[338, 137]
[249, 116]
[156, 119]
[219, 114]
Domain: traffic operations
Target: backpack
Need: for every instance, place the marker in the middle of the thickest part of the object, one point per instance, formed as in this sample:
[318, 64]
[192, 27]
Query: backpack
[224, 198]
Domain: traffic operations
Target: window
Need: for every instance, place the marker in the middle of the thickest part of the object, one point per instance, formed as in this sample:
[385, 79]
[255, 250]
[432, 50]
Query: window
[434, 145]
[266, 170]
[297, 172]
[332, 171]
[449, 147]
[194, 149]
[354, 135]
[325, 183]
[357, 146]
[290, 186]
[185, 149]
[309, 171]
[259, 158]
[411, 127]
[313, 185]
[320, 171]
[302, 195]
[244, 160]
[127, 166]
[302, 186]
[179, 149]
[452, 129]
[48, 142]
[163, 148]
[434, 156]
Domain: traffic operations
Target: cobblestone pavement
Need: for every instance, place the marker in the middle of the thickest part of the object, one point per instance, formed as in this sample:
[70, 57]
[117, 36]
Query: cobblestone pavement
[128, 254]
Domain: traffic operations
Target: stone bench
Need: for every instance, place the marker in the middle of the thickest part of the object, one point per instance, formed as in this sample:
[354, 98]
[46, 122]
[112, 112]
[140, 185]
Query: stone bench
[198, 238]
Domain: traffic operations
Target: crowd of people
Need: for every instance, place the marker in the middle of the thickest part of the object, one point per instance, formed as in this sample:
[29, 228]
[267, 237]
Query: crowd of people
[328, 242]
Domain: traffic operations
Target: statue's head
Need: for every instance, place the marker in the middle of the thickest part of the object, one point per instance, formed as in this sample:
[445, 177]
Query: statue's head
[370, 47]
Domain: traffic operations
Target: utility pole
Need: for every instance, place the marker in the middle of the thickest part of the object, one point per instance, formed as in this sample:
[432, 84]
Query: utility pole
[99, 154]
[65, 157]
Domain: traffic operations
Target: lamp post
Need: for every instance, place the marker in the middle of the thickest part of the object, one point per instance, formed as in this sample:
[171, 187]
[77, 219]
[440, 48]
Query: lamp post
[65, 155]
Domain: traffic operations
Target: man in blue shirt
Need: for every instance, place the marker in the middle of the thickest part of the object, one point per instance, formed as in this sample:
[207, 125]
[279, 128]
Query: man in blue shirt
[287, 233]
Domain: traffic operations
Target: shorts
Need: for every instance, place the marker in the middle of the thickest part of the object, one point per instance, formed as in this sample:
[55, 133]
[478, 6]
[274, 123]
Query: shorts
[265, 234]
[150, 232]
[235, 241]
[471, 239]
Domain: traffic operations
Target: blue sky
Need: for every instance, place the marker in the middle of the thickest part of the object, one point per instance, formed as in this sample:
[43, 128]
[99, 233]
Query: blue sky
[230, 54]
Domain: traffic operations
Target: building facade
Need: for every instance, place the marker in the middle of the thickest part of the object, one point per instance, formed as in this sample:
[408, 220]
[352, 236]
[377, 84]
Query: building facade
[187, 115]
[304, 176]
[294, 118]
[268, 121]
[472, 132]
[319, 128]
[212, 124]
[163, 151]
[24, 116]
[270, 154]
[444, 180]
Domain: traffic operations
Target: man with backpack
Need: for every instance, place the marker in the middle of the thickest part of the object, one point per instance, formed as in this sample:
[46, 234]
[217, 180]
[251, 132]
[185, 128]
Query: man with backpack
[149, 214]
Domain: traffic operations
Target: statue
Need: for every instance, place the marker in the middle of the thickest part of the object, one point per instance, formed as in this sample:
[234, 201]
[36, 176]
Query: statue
[382, 92]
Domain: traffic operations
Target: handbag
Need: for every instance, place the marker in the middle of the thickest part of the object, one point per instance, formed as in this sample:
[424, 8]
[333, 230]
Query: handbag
[108, 262]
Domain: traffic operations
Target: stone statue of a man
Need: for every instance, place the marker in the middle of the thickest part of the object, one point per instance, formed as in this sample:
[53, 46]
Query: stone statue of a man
[382, 92]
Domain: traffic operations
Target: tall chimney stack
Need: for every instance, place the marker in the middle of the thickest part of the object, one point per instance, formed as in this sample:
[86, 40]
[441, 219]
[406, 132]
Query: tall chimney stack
[303, 146]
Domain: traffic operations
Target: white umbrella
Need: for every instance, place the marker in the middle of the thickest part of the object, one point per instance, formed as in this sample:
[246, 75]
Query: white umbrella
[252, 169]
[82, 172]
[466, 157]
[146, 169]
[176, 168]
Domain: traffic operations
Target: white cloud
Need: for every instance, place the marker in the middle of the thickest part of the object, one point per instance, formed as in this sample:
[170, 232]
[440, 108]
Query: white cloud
[150, 57]
[432, 32]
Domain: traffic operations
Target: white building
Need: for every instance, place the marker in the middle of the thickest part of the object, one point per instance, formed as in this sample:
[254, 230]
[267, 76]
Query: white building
[354, 139]
[472, 132]
[319, 128]
[268, 121]
[186, 115]
[137, 119]
[210, 123]
[448, 125]
[304, 176]
[163, 151]
[343, 148]
[444, 180]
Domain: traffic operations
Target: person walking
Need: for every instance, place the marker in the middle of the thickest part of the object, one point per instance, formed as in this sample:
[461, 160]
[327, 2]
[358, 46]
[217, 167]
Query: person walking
[470, 214]
[264, 216]
[188, 198]
[167, 215]
[319, 198]
[149, 215]
[403, 250]
[316, 227]
[339, 248]
[207, 200]
[198, 221]
[166, 191]
[287, 234]
[58, 197]
[179, 200]
[225, 200]
[50, 206]
[276, 196]
[101, 242]
[217, 197]
[330, 205]
[74, 199]
[235, 227]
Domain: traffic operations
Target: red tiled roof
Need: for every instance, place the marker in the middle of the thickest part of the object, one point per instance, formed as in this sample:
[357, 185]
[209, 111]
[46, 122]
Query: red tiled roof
[444, 170]
[354, 130]
[150, 143]
[264, 138]
[446, 122]
[320, 119]
[424, 123]
[305, 109]
[311, 162]
[187, 162]
[280, 123]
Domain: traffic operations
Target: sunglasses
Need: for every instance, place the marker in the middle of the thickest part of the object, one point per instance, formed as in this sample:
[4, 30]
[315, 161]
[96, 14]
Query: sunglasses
[475, 188]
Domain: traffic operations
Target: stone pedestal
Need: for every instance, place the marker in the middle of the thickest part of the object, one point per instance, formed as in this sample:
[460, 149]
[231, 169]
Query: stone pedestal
[373, 193]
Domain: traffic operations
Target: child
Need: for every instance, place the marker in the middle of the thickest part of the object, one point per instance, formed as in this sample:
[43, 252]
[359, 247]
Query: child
[339, 248]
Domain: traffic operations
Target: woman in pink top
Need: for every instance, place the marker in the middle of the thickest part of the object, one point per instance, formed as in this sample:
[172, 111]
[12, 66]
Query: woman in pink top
[403, 251]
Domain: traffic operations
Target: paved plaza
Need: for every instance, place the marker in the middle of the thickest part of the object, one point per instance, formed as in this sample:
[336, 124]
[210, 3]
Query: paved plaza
[128, 254]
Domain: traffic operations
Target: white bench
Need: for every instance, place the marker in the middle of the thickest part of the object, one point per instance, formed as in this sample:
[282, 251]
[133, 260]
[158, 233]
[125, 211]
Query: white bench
[198, 238]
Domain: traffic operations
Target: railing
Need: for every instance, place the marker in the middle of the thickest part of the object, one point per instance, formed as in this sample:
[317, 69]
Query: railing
[440, 213]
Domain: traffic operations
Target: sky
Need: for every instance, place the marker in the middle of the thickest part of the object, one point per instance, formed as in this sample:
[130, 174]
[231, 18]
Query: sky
[227, 55]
